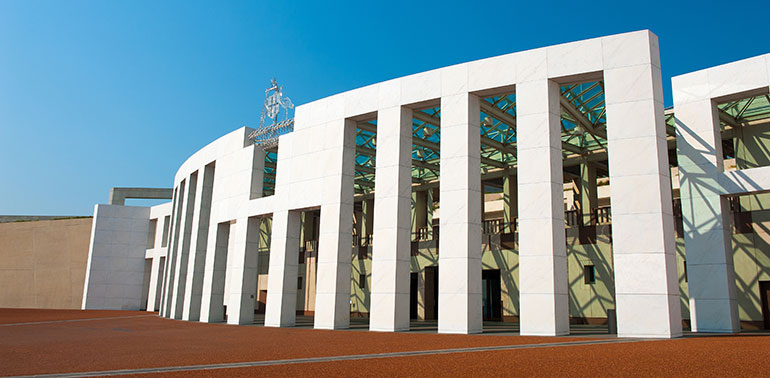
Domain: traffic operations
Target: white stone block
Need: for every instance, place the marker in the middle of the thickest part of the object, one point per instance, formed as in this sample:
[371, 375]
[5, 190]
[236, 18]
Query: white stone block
[630, 49]
[543, 235]
[633, 83]
[690, 87]
[714, 315]
[420, 87]
[361, 101]
[640, 233]
[531, 65]
[461, 207]
[641, 273]
[389, 94]
[455, 138]
[736, 77]
[574, 58]
[537, 314]
[648, 316]
[454, 79]
[542, 202]
[639, 119]
[499, 71]
[647, 188]
[711, 280]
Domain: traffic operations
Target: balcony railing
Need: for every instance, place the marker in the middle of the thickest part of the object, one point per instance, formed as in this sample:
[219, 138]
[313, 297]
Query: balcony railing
[599, 215]
[362, 240]
[498, 226]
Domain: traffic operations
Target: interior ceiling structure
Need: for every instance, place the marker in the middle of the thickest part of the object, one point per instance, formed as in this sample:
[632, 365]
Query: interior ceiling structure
[583, 125]
[583, 133]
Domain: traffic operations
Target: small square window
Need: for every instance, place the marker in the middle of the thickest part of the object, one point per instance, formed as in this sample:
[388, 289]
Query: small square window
[362, 281]
[299, 283]
[589, 274]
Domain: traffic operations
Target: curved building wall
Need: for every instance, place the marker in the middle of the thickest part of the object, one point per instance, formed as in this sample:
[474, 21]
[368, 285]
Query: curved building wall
[315, 170]
[218, 214]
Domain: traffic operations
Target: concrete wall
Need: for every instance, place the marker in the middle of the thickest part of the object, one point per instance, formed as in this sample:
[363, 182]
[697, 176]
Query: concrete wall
[43, 263]
[116, 258]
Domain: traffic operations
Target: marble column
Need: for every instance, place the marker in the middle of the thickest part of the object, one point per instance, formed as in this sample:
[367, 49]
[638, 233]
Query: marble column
[282, 272]
[335, 244]
[189, 217]
[392, 198]
[243, 272]
[460, 242]
[199, 243]
[644, 251]
[153, 295]
[707, 226]
[213, 292]
[543, 254]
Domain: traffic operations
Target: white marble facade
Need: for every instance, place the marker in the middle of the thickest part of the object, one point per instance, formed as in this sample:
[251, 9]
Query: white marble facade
[217, 201]
[705, 185]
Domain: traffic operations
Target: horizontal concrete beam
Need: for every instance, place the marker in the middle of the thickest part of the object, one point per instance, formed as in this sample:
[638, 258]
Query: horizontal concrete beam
[118, 195]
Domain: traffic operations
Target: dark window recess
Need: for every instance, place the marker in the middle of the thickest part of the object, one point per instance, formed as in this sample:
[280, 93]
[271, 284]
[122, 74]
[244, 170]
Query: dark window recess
[684, 263]
[299, 283]
[362, 280]
[508, 240]
[678, 219]
[363, 252]
[742, 222]
[301, 256]
[589, 274]
[415, 249]
[587, 233]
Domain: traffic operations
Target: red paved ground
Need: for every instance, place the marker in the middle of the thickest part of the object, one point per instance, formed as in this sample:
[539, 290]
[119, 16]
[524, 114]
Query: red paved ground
[143, 342]
[26, 315]
[709, 357]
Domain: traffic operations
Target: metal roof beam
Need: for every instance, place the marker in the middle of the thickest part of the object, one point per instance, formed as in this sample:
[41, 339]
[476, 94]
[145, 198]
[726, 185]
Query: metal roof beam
[511, 122]
[570, 108]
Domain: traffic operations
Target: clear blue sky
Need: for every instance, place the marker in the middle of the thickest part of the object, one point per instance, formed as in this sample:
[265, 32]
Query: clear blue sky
[96, 94]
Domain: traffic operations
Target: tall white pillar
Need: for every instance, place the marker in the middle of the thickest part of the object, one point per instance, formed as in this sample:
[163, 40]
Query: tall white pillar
[542, 250]
[198, 245]
[460, 238]
[158, 267]
[391, 256]
[707, 226]
[189, 216]
[213, 292]
[281, 308]
[243, 272]
[335, 244]
[153, 295]
[189, 248]
[644, 250]
[168, 278]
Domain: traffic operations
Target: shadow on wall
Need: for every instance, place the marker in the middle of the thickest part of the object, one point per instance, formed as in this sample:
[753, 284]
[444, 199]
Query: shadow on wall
[700, 217]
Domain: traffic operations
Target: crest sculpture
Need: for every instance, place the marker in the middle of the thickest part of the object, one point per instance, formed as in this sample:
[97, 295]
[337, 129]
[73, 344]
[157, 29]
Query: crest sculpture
[275, 119]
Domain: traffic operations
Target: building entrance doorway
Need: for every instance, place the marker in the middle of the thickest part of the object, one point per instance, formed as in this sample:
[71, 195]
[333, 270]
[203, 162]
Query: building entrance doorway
[431, 293]
[262, 302]
[490, 294]
[764, 293]
[413, 280]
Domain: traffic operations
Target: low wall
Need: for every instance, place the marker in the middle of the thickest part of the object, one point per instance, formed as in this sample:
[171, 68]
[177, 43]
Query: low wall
[43, 263]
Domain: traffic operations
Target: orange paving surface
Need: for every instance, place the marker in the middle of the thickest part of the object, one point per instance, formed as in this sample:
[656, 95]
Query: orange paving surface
[692, 357]
[143, 342]
[28, 315]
